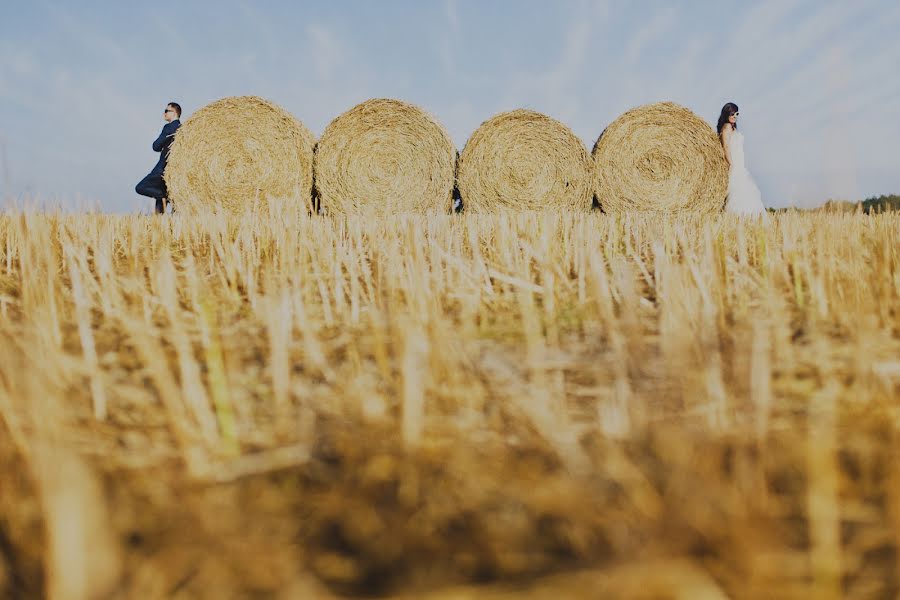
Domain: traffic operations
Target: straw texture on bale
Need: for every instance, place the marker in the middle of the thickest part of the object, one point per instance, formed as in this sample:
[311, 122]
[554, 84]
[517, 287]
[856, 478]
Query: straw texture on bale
[238, 154]
[385, 157]
[524, 160]
[660, 158]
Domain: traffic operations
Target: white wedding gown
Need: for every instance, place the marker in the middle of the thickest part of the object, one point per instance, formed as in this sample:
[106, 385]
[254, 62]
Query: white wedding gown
[743, 195]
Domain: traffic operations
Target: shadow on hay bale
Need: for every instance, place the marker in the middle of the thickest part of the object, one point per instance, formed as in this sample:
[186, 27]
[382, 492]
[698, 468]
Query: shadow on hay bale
[524, 160]
[660, 158]
[238, 154]
[385, 157]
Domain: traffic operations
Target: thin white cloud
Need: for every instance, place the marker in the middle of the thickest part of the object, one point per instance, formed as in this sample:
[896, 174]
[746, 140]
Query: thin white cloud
[554, 89]
[635, 78]
[450, 40]
[652, 29]
[772, 55]
[82, 31]
[326, 51]
[451, 10]
[262, 29]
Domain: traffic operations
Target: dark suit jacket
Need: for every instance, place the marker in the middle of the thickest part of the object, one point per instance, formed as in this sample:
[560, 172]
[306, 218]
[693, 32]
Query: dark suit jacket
[162, 144]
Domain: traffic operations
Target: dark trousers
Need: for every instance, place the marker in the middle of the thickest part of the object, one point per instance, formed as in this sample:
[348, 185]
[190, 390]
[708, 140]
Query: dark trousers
[153, 186]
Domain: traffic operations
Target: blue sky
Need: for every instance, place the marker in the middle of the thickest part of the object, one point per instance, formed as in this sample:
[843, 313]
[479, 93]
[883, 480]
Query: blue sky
[82, 85]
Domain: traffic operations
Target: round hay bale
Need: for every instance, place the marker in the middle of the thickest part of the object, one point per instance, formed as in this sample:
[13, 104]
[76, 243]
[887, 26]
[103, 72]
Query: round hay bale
[524, 160]
[238, 154]
[385, 157]
[660, 158]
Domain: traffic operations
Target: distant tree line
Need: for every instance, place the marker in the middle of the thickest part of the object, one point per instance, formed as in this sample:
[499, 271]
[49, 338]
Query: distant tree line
[875, 204]
[881, 203]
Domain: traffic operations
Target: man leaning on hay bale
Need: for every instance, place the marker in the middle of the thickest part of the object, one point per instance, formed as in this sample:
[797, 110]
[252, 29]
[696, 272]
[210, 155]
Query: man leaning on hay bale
[153, 185]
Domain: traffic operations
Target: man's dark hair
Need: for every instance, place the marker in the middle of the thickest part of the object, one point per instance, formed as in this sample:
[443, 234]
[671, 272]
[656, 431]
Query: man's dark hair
[177, 108]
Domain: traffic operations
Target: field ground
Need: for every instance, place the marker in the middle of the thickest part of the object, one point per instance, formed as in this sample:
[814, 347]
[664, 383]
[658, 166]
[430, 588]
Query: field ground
[527, 406]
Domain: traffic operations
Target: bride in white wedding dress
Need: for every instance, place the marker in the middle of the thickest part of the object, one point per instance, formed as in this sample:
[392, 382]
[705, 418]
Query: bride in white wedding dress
[743, 194]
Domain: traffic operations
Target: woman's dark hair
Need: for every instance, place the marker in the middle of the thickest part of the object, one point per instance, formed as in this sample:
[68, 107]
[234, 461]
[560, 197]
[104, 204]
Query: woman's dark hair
[176, 107]
[727, 110]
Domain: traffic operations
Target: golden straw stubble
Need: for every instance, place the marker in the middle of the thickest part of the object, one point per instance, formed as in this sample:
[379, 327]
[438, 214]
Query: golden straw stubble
[238, 154]
[524, 160]
[385, 157]
[660, 158]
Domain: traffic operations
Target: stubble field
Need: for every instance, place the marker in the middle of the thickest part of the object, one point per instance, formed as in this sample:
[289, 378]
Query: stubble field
[540, 405]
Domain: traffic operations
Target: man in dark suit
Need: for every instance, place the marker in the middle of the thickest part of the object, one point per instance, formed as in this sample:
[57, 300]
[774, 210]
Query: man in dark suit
[153, 185]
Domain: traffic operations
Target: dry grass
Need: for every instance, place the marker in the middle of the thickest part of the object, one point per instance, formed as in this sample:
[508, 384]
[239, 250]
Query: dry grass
[385, 157]
[523, 160]
[239, 154]
[545, 405]
[660, 158]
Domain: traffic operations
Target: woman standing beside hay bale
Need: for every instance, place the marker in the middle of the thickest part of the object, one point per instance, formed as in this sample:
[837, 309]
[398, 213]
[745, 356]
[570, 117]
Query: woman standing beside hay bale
[660, 158]
[744, 197]
[385, 157]
[524, 160]
[238, 154]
